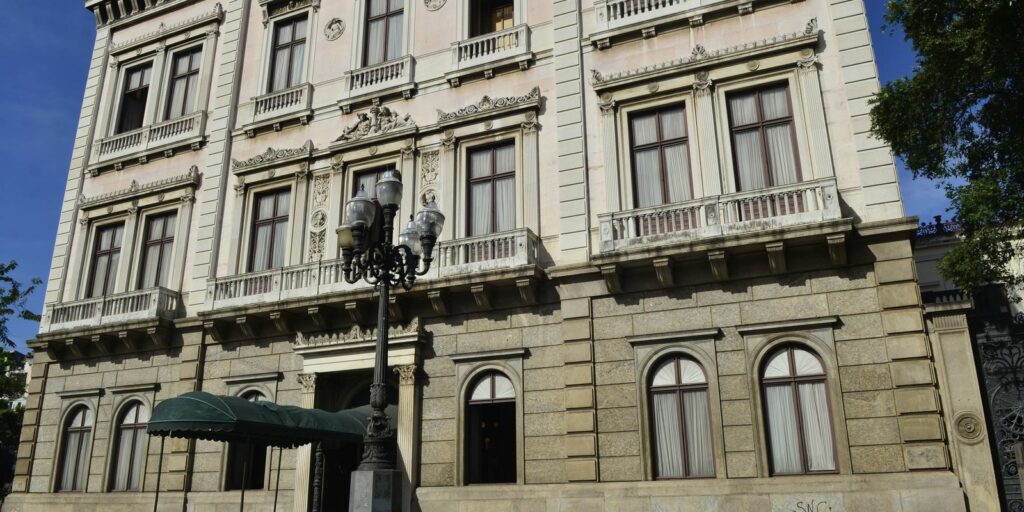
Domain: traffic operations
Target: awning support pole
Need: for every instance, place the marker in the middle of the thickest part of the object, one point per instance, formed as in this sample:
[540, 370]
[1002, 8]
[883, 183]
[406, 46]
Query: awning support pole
[277, 486]
[245, 474]
[159, 472]
[318, 477]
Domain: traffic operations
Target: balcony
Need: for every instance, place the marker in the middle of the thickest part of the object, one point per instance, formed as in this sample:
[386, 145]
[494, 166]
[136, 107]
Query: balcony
[483, 54]
[468, 256]
[617, 17]
[278, 107]
[744, 212]
[394, 77]
[144, 142]
[121, 308]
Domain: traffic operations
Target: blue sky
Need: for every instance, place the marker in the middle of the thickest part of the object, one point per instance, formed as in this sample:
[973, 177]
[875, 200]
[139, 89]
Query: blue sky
[40, 102]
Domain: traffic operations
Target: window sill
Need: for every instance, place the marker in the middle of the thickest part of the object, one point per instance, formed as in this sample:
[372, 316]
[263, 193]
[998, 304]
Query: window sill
[278, 108]
[120, 308]
[138, 146]
[370, 84]
[482, 55]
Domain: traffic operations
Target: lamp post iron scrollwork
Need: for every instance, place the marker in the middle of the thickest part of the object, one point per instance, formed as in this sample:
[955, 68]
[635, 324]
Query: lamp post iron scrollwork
[369, 254]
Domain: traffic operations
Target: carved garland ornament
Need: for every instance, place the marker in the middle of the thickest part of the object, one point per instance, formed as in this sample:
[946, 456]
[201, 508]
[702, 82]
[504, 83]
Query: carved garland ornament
[487, 104]
[429, 163]
[272, 155]
[356, 334]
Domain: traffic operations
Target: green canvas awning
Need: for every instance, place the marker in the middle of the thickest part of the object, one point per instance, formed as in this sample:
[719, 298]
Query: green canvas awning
[200, 415]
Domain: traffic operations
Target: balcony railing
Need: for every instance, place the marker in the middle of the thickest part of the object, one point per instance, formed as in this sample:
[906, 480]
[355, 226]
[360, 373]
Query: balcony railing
[487, 252]
[492, 48]
[285, 102]
[470, 255]
[148, 304]
[758, 210]
[370, 79]
[612, 14]
[151, 138]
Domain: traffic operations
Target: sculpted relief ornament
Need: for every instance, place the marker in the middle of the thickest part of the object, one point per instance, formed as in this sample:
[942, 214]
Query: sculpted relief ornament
[487, 104]
[334, 29]
[272, 155]
[376, 122]
[433, 5]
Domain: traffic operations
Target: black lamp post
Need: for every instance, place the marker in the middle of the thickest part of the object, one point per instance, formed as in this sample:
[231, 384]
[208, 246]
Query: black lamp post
[369, 254]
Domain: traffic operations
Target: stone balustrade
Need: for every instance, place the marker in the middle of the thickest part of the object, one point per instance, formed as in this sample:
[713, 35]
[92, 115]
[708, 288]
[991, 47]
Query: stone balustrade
[612, 14]
[147, 304]
[369, 79]
[492, 48]
[282, 103]
[743, 212]
[470, 255]
[150, 139]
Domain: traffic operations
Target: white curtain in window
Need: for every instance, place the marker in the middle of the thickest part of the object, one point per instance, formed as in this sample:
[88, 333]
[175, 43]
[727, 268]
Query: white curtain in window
[504, 159]
[123, 464]
[367, 182]
[780, 153]
[775, 103]
[503, 387]
[698, 433]
[677, 167]
[782, 429]
[480, 208]
[280, 244]
[280, 79]
[375, 33]
[67, 477]
[99, 278]
[179, 89]
[378, 7]
[298, 59]
[667, 437]
[672, 124]
[749, 160]
[261, 247]
[690, 372]
[151, 266]
[817, 427]
[665, 375]
[648, 178]
[806, 363]
[189, 102]
[480, 164]
[505, 205]
[394, 37]
[742, 109]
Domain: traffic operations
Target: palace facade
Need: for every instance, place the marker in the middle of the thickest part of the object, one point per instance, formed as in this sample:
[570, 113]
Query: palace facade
[676, 273]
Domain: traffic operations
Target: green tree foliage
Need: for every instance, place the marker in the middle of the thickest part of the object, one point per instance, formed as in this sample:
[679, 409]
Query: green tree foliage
[13, 296]
[959, 120]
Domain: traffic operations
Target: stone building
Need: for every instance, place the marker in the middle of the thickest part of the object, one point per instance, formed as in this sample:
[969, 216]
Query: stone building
[676, 272]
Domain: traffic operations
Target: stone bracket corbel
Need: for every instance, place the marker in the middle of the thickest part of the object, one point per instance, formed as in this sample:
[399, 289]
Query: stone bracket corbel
[719, 265]
[72, 346]
[527, 288]
[776, 257]
[103, 343]
[612, 280]
[663, 271]
[217, 330]
[837, 249]
[317, 315]
[481, 295]
[438, 301]
[129, 339]
[282, 321]
[355, 312]
[395, 310]
[247, 324]
[159, 335]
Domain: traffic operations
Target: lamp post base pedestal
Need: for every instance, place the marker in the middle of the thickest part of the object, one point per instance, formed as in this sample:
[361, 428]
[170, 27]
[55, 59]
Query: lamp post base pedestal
[376, 490]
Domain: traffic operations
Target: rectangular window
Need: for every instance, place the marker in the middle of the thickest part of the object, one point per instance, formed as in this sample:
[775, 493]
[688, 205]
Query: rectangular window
[269, 230]
[181, 97]
[487, 16]
[156, 250]
[492, 189]
[763, 138]
[288, 53]
[367, 180]
[383, 31]
[659, 148]
[106, 254]
[134, 95]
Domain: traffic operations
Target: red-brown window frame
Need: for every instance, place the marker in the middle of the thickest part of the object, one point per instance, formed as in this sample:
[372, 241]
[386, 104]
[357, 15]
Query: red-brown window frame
[81, 450]
[97, 252]
[273, 220]
[492, 148]
[366, 28]
[793, 381]
[761, 125]
[660, 144]
[677, 390]
[277, 45]
[193, 54]
[166, 243]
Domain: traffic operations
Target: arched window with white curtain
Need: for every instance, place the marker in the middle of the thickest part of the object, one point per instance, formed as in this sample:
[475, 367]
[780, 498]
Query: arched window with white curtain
[74, 449]
[129, 448]
[797, 412]
[247, 461]
[491, 430]
[680, 422]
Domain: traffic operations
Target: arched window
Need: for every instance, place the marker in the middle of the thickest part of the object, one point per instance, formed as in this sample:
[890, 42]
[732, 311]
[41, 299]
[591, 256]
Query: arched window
[796, 408]
[491, 430]
[77, 434]
[247, 462]
[680, 424]
[130, 448]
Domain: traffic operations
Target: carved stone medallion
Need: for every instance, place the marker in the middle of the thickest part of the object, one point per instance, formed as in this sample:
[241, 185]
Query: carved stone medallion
[433, 5]
[334, 29]
[968, 426]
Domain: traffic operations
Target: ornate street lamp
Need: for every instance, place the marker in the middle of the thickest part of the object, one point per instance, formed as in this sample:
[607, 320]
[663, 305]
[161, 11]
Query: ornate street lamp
[369, 255]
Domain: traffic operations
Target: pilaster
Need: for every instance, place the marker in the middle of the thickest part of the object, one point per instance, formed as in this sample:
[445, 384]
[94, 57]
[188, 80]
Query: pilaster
[181, 239]
[570, 117]
[303, 454]
[30, 423]
[814, 110]
[707, 136]
[580, 406]
[408, 429]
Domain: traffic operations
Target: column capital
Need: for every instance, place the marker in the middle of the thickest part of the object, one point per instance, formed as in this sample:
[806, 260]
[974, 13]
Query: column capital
[307, 381]
[702, 82]
[406, 374]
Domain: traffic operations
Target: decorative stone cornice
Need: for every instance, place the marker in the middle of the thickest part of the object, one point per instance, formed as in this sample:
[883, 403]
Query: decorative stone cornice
[701, 57]
[488, 105]
[275, 8]
[189, 179]
[164, 30]
[374, 123]
[271, 156]
[357, 334]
